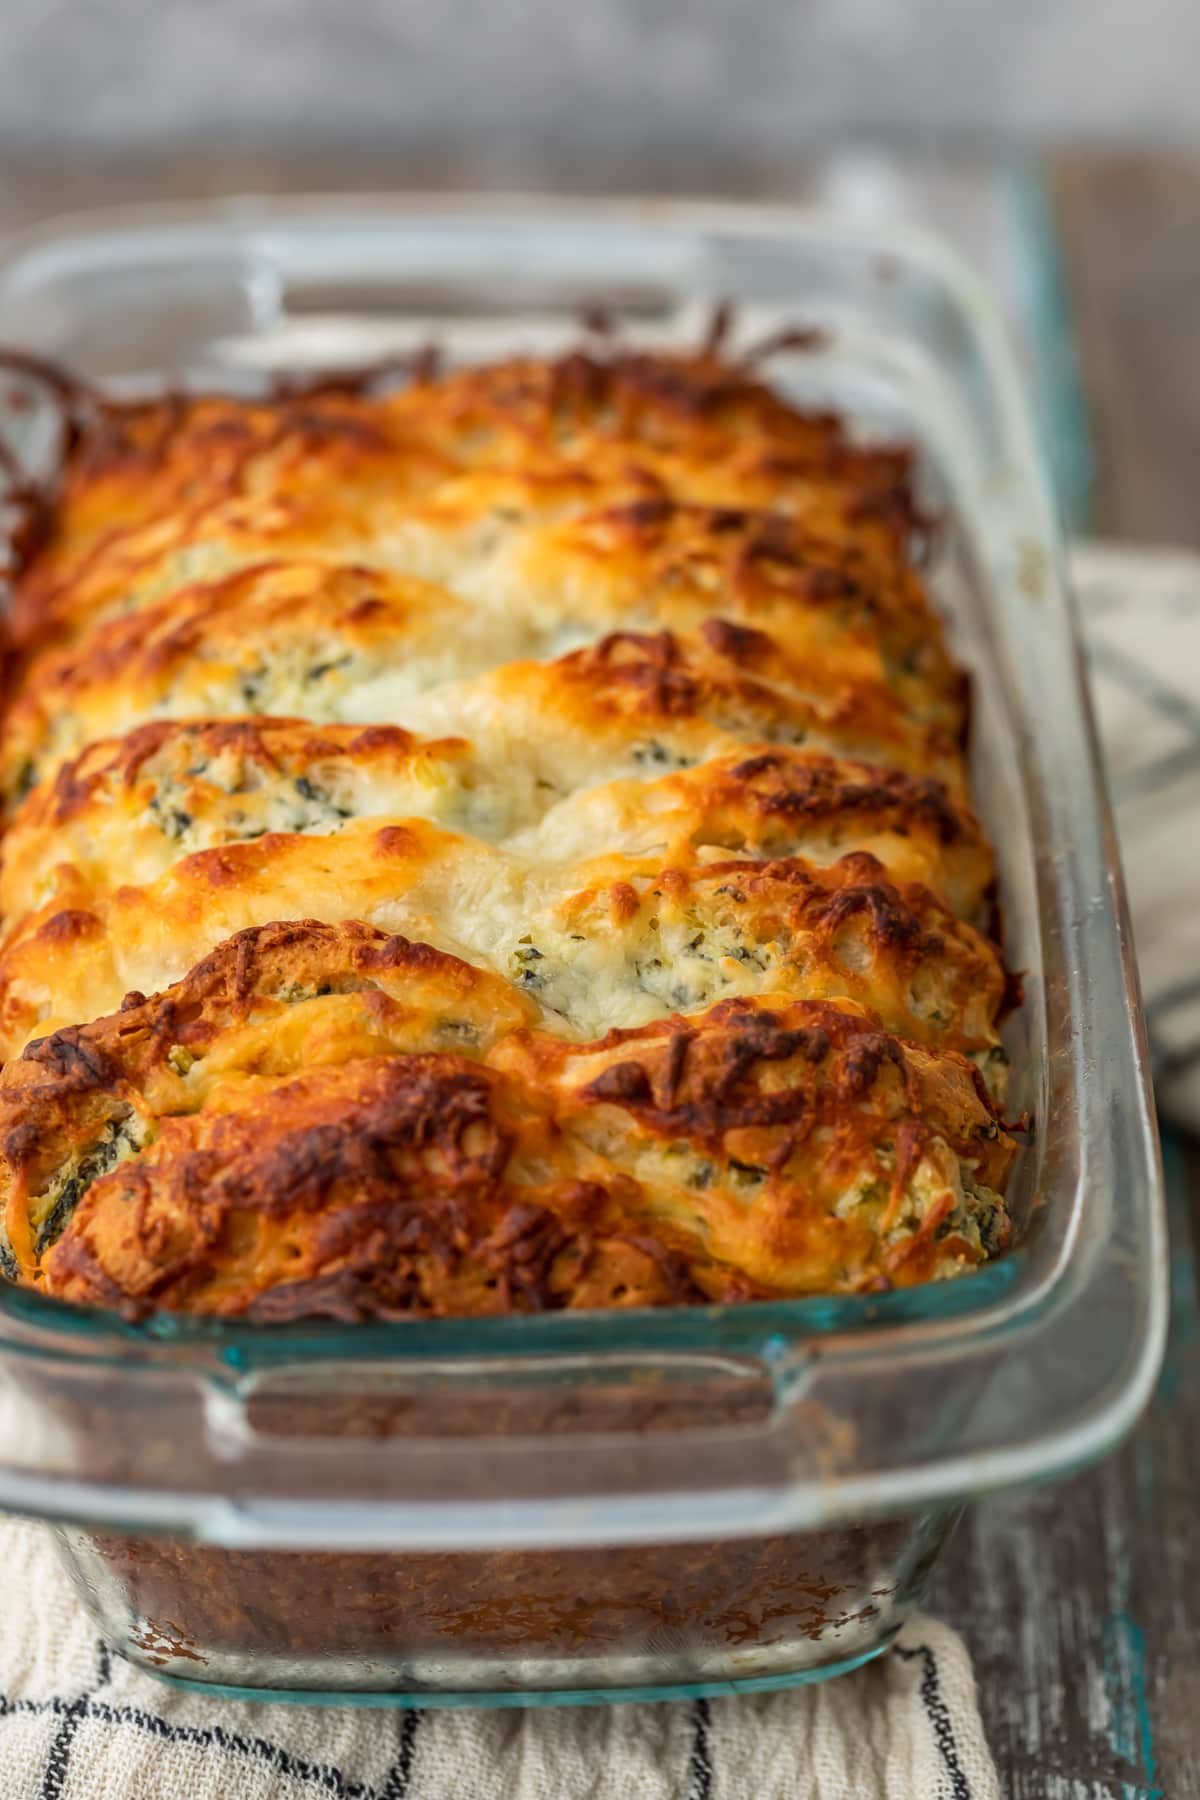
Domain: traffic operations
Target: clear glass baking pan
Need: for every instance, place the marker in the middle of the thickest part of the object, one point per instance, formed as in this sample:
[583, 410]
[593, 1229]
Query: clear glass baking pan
[517, 1510]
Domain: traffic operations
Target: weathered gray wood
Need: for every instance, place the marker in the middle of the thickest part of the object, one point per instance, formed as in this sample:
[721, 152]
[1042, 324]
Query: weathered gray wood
[1081, 1602]
[1130, 231]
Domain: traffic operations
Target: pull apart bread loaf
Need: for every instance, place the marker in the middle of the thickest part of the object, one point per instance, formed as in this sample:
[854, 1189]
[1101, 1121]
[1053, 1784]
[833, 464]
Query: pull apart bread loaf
[492, 843]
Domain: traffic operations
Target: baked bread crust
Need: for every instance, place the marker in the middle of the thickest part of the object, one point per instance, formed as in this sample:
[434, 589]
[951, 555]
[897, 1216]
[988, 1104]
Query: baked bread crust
[534, 803]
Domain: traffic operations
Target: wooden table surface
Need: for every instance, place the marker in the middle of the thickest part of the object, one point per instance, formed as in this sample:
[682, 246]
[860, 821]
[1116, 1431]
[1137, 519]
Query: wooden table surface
[1081, 1601]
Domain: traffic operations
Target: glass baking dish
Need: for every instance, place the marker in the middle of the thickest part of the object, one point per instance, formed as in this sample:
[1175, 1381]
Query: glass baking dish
[527, 1509]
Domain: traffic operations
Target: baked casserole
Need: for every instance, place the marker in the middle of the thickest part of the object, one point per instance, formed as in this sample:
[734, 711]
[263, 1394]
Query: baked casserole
[492, 841]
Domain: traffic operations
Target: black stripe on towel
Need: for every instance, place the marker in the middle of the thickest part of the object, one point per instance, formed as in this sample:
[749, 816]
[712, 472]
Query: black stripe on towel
[58, 1758]
[700, 1768]
[938, 1714]
[397, 1784]
[325, 1776]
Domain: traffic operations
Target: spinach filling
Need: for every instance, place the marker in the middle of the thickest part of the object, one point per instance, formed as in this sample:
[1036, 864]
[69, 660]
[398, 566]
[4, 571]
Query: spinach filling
[122, 1138]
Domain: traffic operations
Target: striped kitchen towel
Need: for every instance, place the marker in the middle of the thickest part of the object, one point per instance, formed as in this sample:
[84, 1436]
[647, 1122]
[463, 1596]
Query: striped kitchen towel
[78, 1723]
[1141, 619]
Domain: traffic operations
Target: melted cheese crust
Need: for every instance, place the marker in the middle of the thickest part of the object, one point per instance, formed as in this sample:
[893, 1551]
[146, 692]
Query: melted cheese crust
[534, 803]
[335, 1120]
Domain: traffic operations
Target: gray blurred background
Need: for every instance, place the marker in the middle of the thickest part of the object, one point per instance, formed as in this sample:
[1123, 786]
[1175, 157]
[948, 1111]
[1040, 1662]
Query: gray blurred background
[589, 92]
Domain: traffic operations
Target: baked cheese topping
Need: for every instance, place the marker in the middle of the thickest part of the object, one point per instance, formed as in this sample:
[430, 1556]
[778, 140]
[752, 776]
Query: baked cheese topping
[533, 801]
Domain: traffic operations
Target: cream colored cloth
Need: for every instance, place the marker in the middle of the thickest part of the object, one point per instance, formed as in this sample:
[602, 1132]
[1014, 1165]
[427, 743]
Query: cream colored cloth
[1141, 618]
[77, 1723]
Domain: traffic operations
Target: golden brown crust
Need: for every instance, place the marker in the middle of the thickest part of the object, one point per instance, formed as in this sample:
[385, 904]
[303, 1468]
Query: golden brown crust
[296, 640]
[369, 854]
[612, 684]
[341, 1120]
[788, 928]
[388, 1179]
[330, 643]
[282, 638]
[323, 470]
